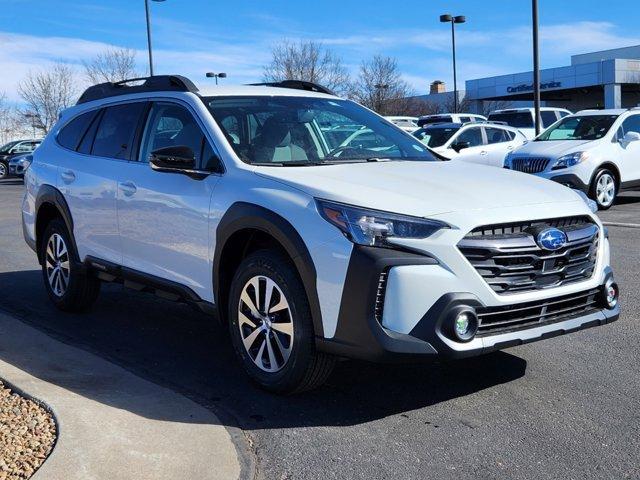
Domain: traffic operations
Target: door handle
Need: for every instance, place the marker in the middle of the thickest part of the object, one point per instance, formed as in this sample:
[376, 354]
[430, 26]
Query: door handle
[128, 188]
[483, 152]
[509, 147]
[68, 176]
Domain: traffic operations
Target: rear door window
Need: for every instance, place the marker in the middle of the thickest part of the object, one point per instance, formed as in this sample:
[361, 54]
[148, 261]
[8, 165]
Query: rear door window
[116, 132]
[472, 135]
[496, 135]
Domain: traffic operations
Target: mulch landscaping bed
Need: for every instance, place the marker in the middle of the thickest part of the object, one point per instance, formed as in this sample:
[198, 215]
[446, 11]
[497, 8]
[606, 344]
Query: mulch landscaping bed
[27, 435]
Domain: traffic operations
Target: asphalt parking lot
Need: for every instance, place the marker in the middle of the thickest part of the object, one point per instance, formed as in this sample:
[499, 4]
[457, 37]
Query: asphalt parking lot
[564, 408]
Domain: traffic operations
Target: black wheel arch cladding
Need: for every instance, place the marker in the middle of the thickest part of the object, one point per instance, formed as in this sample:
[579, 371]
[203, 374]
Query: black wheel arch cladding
[247, 216]
[48, 194]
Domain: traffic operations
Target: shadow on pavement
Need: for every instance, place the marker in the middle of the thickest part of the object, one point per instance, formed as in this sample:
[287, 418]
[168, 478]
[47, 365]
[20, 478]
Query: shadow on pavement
[11, 181]
[173, 345]
[628, 199]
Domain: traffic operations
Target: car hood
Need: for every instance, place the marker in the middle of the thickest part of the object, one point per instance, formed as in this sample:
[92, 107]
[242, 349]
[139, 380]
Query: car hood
[421, 188]
[552, 148]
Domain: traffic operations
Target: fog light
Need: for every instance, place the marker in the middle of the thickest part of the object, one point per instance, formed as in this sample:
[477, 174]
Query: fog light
[611, 294]
[465, 325]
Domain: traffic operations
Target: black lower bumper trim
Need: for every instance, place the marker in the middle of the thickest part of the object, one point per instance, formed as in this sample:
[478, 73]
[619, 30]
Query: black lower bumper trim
[572, 181]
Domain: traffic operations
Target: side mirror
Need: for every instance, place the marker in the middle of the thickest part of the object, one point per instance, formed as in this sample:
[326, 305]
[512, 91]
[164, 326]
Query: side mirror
[460, 146]
[173, 159]
[631, 137]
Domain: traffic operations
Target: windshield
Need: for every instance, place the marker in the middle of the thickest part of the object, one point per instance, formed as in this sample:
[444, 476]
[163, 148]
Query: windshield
[281, 131]
[7, 146]
[588, 127]
[435, 137]
[513, 119]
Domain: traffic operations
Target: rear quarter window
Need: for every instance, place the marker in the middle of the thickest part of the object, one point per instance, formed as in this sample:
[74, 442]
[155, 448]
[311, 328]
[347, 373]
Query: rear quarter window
[71, 134]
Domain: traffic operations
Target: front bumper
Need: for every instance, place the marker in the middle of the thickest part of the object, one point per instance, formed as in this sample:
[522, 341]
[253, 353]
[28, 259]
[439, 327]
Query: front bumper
[364, 332]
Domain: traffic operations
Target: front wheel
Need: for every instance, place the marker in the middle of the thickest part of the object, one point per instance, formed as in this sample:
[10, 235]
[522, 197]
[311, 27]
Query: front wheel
[4, 170]
[271, 327]
[604, 189]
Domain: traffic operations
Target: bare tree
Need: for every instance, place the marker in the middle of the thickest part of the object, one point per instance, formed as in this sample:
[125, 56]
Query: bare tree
[112, 65]
[309, 61]
[47, 93]
[13, 124]
[380, 87]
[490, 106]
[464, 104]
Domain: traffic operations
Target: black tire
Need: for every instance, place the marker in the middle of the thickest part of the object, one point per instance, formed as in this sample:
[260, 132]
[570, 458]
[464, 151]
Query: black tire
[4, 169]
[305, 368]
[603, 175]
[81, 290]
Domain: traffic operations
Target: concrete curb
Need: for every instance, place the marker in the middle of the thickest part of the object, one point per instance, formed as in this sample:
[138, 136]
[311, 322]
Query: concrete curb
[111, 423]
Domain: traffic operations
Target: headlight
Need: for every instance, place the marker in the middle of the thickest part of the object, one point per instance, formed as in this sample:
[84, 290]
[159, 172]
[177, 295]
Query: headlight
[593, 206]
[507, 160]
[373, 227]
[24, 163]
[570, 160]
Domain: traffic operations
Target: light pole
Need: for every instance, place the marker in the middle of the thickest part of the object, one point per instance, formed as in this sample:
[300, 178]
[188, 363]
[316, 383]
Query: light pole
[216, 75]
[32, 117]
[148, 14]
[453, 20]
[536, 66]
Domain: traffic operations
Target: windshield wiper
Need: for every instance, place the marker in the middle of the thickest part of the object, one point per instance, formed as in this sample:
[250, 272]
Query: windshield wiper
[293, 163]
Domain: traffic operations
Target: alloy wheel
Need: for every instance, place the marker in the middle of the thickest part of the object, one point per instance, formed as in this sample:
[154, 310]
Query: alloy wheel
[606, 189]
[265, 323]
[57, 264]
[3, 170]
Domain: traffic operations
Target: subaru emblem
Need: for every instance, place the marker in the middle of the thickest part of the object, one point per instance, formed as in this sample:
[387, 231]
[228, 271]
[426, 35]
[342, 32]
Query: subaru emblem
[552, 239]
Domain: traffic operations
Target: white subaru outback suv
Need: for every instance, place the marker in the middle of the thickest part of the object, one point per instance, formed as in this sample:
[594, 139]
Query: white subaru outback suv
[240, 201]
[595, 151]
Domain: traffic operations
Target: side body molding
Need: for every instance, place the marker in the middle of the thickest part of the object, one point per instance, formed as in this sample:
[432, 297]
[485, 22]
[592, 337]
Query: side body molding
[241, 216]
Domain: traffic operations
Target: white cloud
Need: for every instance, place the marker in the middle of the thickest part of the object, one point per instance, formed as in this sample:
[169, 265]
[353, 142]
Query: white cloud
[424, 55]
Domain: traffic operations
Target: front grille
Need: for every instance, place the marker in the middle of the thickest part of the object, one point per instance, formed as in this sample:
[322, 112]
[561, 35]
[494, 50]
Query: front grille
[529, 165]
[510, 261]
[493, 320]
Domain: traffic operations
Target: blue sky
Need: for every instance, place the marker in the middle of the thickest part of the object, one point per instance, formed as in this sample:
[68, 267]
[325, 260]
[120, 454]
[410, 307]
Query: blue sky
[195, 36]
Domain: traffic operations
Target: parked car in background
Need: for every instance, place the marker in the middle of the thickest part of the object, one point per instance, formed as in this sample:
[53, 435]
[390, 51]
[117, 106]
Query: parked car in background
[408, 124]
[16, 147]
[450, 118]
[523, 118]
[482, 143]
[18, 164]
[596, 151]
[307, 251]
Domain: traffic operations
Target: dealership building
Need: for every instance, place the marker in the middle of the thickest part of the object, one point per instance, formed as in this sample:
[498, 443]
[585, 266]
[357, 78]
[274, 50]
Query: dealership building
[605, 79]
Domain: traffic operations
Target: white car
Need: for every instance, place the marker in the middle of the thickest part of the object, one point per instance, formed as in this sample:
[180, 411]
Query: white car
[232, 199]
[595, 151]
[408, 124]
[482, 143]
[450, 118]
[523, 118]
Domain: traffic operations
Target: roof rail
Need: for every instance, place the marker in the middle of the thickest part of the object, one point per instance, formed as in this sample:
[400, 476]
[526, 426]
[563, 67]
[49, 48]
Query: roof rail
[297, 85]
[157, 83]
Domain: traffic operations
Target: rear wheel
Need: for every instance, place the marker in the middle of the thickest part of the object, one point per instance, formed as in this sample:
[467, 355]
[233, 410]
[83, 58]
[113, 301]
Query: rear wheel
[271, 327]
[69, 288]
[604, 188]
